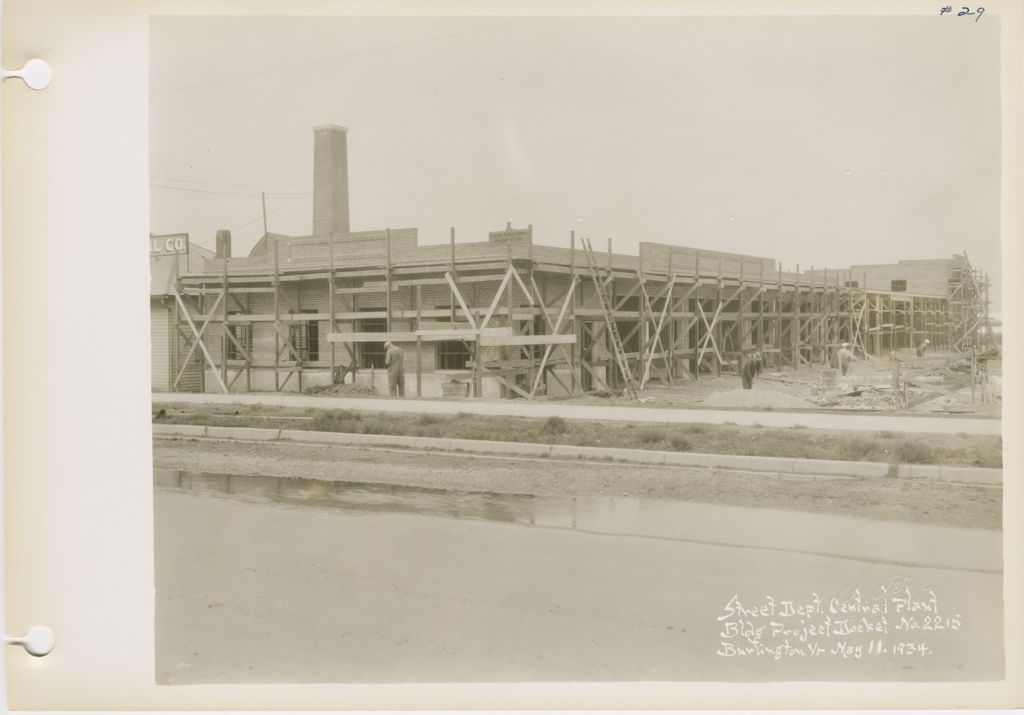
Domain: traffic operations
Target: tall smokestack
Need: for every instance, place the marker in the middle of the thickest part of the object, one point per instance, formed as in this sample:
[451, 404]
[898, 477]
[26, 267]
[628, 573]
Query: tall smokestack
[330, 181]
[223, 243]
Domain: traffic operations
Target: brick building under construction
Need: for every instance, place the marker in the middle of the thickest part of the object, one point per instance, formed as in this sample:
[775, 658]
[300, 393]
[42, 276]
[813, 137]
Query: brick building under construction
[508, 317]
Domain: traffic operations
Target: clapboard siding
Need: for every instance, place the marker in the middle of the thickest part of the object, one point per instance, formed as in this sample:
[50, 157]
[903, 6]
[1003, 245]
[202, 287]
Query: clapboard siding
[160, 358]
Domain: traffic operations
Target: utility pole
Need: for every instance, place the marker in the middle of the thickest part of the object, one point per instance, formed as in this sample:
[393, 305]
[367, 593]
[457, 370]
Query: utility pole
[263, 196]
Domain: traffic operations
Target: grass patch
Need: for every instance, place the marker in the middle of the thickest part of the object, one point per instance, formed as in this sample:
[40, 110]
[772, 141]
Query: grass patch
[679, 443]
[857, 449]
[794, 442]
[908, 452]
[554, 426]
[650, 435]
[336, 421]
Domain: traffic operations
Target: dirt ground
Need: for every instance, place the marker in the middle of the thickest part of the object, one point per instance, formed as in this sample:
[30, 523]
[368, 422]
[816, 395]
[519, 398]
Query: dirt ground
[261, 593]
[886, 498]
[937, 383]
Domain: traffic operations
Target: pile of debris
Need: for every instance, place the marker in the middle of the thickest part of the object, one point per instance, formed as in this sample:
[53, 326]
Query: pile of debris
[755, 399]
[857, 397]
[339, 389]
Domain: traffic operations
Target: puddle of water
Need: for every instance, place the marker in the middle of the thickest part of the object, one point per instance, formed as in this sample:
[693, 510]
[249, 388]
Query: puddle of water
[816, 534]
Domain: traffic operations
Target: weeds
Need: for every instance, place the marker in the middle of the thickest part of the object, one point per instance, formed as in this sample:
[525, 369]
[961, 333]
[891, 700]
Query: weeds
[650, 435]
[908, 452]
[554, 426]
[760, 440]
[857, 449]
[680, 444]
[340, 421]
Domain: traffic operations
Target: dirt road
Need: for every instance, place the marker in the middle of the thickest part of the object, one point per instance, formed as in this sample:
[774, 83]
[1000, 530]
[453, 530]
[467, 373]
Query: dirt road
[281, 580]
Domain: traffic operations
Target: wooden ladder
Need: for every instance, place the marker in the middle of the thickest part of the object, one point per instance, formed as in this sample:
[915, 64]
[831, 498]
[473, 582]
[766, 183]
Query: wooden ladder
[632, 389]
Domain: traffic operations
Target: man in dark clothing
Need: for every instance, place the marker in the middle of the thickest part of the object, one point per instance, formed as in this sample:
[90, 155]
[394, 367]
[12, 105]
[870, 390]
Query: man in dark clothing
[396, 376]
[922, 348]
[751, 369]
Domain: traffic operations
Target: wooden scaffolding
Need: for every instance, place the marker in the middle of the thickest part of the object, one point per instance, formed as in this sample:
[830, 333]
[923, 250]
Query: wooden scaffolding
[531, 322]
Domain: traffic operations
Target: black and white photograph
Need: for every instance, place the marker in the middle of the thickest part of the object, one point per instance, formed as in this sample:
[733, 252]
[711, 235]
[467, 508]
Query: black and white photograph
[590, 349]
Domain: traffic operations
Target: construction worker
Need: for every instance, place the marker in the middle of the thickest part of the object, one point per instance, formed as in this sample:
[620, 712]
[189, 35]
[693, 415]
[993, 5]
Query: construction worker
[396, 376]
[751, 369]
[922, 347]
[845, 358]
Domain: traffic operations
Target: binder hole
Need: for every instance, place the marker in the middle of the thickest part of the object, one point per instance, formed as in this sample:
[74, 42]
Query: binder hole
[36, 74]
[38, 641]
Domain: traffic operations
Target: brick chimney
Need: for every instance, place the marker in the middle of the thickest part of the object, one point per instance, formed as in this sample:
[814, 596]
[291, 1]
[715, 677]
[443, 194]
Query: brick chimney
[223, 243]
[330, 181]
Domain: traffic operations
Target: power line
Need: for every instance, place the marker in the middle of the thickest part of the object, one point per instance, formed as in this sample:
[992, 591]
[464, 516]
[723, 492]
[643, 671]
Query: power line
[206, 243]
[272, 211]
[233, 183]
[221, 193]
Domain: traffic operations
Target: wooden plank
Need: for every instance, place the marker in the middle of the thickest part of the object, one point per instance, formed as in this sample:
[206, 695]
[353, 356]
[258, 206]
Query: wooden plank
[554, 328]
[214, 291]
[387, 273]
[509, 385]
[497, 297]
[462, 303]
[521, 363]
[424, 335]
[498, 341]
[526, 292]
[419, 342]
[202, 346]
[489, 370]
[463, 333]
[197, 336]
[393, 336]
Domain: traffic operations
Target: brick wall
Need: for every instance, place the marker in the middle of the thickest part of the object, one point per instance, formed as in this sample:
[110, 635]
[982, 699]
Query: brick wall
[330, 181]
[658, 257]
[926, 277]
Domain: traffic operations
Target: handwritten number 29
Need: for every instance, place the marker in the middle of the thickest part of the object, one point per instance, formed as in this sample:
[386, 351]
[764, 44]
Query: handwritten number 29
[964, 11]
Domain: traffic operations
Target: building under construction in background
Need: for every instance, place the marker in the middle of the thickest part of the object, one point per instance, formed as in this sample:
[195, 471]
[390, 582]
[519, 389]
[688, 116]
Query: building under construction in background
[508, 317]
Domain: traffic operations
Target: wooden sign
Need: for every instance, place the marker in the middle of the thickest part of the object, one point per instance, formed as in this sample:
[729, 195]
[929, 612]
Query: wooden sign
[174, 244]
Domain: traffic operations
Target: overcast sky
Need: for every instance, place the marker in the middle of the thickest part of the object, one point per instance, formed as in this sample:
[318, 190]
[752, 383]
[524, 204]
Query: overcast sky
[818, 141]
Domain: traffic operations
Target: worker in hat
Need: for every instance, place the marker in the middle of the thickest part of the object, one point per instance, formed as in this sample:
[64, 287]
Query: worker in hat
[396, 376]
[922, 347]
[845, 358]
[751, 369]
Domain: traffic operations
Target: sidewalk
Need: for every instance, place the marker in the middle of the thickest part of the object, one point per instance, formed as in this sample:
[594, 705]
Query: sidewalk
[521, 408]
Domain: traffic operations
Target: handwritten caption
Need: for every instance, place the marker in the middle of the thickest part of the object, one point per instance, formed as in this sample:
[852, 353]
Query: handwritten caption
[895, 620]
[965, 11]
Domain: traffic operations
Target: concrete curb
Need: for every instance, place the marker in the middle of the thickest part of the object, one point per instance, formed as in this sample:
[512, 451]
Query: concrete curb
[781, 465]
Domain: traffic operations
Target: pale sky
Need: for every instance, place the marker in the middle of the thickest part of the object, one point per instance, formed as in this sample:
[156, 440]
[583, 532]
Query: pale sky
[818, 141]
